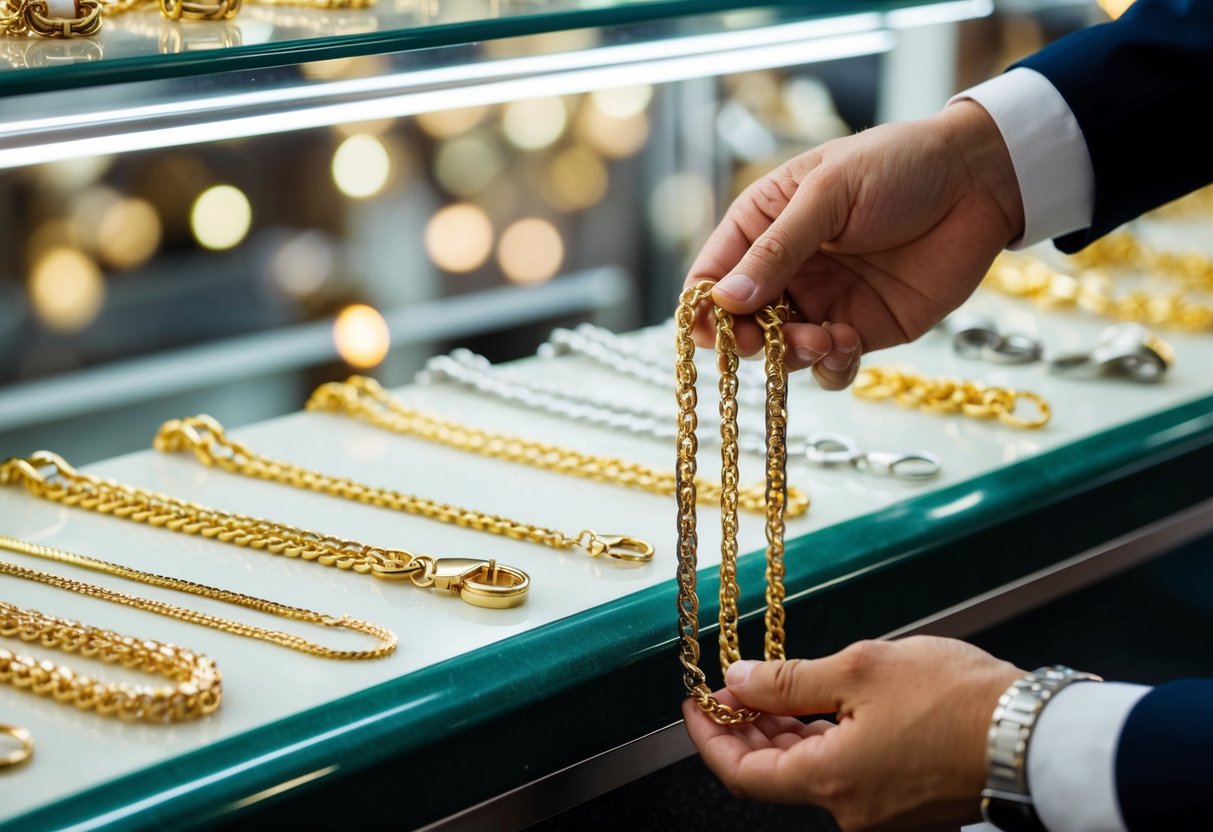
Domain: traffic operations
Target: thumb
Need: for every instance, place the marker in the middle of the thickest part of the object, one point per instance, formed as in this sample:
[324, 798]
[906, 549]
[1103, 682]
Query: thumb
[795, 687]
[778, 253]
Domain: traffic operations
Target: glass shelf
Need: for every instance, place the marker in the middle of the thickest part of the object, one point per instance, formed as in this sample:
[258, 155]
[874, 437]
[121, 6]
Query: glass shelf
[141, 46]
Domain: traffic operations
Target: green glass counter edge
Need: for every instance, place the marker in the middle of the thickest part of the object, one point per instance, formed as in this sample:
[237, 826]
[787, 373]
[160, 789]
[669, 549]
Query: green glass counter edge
[441, 701]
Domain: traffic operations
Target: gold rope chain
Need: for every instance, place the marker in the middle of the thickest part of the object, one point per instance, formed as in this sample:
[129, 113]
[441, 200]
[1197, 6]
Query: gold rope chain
[910, 388]
[363, 398]
[771, 320]
[478, 582]
[387, 639]
[210, 444]
[1092, 288]
[196, 688]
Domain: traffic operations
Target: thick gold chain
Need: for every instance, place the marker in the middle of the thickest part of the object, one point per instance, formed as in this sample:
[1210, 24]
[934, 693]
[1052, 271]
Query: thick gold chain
[387, 639]
[910, 388]
[196, 688]
[1092, 286]
[363, 398]
[771, 320]
[50, 477]
[212, 446]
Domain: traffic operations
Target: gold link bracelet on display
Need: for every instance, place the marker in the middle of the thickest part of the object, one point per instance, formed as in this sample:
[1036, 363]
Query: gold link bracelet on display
[211, 445]
[24, 749]
[196, 688]
[479, 582]
[909, 388]
[387, 639]
[363, 398]
[771, 320]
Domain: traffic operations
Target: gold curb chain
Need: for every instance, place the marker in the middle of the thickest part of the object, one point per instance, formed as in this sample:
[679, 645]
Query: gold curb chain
[363, 398]
[23, 751]
[910, 388]
[386, 637]
[771, 320]
[212, 447]
[196, 688]
[49, 476]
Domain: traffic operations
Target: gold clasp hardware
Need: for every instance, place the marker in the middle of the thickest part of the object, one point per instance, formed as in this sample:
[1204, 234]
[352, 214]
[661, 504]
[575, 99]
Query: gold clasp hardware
[481, 583]
[618, 546]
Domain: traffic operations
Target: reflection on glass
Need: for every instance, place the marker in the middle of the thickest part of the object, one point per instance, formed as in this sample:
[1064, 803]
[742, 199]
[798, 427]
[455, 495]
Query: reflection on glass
[531, 251]
[37, 53]
[66, 289]
[221, 217]
[459, 238]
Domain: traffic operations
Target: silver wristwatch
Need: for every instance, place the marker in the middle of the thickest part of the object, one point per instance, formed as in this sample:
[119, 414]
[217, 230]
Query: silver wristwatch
[1006, 801]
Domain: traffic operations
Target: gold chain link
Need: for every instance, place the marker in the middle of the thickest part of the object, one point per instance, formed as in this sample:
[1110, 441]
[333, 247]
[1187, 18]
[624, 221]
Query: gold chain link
[196, 688]
[386, 637]
[50, 477]
[771, 320]
[910, 388]
[363, 398]
[211, 446]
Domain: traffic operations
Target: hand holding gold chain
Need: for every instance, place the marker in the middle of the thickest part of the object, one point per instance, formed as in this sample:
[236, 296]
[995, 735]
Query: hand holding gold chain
[771, 320]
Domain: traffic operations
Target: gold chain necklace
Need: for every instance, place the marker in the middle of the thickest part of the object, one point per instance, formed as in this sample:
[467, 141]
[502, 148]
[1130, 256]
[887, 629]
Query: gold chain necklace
[363, 398]
[211, 445]
[478, 582]
[771, 320]
[196, 688]
[386, 637]
[24, 749]
[909, 388]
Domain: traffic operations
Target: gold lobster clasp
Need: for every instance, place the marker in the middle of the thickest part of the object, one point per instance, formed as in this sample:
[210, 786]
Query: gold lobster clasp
[481, 583]
[618, 546]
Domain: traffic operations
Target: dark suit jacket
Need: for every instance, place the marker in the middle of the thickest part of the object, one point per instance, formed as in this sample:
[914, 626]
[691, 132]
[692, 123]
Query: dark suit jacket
[1164, 760]
[1138, 87]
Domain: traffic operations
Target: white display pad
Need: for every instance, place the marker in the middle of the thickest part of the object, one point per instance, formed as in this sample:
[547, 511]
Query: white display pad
[263, 683]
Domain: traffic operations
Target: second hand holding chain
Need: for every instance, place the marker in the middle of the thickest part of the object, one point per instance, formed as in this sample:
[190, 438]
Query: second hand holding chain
[211, 445]
[478, 582]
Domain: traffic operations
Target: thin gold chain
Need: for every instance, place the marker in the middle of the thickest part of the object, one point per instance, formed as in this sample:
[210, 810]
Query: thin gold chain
[363, 398]
[387, 639]
[49, 476]
[212, 446]
[910, 388]
[771, 320]
[196, 688]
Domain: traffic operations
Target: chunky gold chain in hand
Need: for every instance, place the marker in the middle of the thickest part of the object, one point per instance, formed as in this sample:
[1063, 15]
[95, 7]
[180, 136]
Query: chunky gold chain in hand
[195, 691]
[909, 388]
[212, 446]
[386, 637]
[771, 320]
[363, 398]
[49, 476]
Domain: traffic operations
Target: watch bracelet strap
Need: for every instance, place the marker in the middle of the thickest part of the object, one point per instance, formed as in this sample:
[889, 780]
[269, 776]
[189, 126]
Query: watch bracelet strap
[1007, 801]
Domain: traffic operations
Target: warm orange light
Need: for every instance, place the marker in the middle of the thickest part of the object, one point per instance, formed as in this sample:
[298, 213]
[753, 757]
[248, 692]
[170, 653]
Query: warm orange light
[531, 251]
[361, 336]
[66, 289]
[459, 238]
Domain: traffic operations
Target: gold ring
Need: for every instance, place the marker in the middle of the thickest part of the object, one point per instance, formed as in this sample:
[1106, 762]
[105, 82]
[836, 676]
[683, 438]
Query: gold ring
[18, 755]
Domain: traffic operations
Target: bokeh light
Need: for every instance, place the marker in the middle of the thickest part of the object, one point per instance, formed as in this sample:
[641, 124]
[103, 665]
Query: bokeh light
[303, 264]
[615, 138]
[459, 238]
[442, 124]
[128, 233]
[622, 102]
[221, 217]
[531, 251]
[534, 123]
[361, 166]
[575, 179]
[66, 289]
[467, 164]
[361, 336]
[681, 207]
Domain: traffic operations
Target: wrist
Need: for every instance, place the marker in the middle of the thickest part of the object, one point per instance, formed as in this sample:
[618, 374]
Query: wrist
[975, 138]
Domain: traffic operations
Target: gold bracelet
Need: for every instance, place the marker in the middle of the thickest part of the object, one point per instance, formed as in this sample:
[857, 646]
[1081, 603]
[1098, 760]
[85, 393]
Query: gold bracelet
[196, 689]
[479, 582]
[909, 388]
[387, 639]
[771, 320]
[212, 447]
[24, 749]
[363, 398]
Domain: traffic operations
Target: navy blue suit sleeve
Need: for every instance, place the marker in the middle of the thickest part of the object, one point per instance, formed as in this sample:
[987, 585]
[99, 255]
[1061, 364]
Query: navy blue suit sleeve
[1137, 86]
[1164, 759]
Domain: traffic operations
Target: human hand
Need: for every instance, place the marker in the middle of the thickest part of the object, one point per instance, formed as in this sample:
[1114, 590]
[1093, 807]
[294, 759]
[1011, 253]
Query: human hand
[909, 747]
[881, 234]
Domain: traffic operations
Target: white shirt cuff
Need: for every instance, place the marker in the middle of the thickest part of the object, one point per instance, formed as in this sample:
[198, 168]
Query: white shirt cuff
[1048, 152]
[1072, 756]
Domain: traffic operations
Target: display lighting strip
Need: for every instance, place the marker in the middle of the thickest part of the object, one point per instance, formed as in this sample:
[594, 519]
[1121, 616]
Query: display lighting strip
[409, 92]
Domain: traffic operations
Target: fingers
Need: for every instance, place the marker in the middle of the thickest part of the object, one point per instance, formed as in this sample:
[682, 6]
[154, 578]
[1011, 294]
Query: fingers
[837, 368]
[805, 686]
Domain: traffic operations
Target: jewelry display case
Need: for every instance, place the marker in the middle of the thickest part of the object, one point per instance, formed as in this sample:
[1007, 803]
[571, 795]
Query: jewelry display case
[302, 166]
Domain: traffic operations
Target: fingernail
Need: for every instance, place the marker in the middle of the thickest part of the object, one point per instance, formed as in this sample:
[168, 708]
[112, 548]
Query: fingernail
[739, 674]
[737, 287]
[807, 355]
[838, 360]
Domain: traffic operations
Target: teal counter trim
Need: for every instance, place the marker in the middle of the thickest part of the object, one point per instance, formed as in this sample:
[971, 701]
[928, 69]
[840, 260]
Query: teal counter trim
[425, 745]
